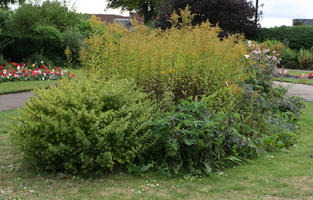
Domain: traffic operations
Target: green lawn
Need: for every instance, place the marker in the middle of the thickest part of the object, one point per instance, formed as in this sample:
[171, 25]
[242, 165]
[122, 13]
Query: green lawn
[282, 175]
[20, 86]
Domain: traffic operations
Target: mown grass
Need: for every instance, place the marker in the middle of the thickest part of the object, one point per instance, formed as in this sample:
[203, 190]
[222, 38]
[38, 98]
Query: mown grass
[284, 175]
[21, 86]
[5, 119]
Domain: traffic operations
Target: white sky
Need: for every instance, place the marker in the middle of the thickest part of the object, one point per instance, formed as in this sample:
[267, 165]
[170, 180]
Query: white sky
[275, 12]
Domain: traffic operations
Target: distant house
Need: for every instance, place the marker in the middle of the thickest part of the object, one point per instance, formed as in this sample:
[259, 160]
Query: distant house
[302, 22]
[123, 20]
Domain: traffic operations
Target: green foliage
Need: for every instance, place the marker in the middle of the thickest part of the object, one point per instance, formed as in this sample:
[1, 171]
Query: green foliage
[51, 13]
[302, 59]
[41, 29]
[5, 19]
[297, 37]
[199, 137]
[149, 9]
[305, 59]
[289, 59]
[175, 64]
[73, 40]
[6, 3]
[87, 126]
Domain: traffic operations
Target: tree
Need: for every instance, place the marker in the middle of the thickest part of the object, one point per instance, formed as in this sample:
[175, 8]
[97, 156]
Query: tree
[6, 3]
[233, 16]
[148, 8]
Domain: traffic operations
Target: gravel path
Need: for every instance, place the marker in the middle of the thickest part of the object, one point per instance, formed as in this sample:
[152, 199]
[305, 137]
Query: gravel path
[304, 91]
[10, 101]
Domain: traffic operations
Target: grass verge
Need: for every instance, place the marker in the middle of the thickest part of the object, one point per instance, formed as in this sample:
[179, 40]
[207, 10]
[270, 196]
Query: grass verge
[21, 86]
[283, 175]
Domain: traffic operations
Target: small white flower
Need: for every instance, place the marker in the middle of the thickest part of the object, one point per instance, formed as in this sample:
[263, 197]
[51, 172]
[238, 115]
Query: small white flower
[247, 56]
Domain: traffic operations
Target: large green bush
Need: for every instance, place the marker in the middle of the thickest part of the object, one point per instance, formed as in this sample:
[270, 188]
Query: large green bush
[35, 30]
[296, 37]
[87, 125]
[51, 13]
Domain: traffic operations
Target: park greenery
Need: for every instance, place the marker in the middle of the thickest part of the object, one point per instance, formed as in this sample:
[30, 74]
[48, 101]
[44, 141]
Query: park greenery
[150, 103]
[42, 32]
[191, 100]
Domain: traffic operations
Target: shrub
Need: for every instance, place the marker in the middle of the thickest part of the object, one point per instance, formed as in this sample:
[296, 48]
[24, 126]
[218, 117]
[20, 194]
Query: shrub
[199, 137]
[5, 20]
[296, 37]
[73, 40]
[305, 59]
[89, 125]
[174, 64]
[289, 59]
[51, 13]
[274, 45]
[36, 29]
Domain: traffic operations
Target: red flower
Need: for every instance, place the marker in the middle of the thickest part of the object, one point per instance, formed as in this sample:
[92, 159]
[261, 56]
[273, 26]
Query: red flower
[9, 68]
[4, 74]
[1, 67]
[24, 70]
[37, 69]
[58, 73]
[44, 66]
[73, 76]
[68, 72]
[0, 72]
[25, 74]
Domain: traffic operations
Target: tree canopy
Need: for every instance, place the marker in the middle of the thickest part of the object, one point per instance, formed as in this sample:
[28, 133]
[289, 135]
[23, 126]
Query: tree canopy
[6, 3]
[148, 8]
[232, 15]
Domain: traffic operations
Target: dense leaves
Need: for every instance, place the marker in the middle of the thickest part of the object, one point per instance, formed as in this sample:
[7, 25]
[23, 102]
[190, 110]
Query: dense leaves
[232, 16]
[36, 30]
[148, 8]
[175, 64]
[6, 3]
[86, 126]
[296, 37]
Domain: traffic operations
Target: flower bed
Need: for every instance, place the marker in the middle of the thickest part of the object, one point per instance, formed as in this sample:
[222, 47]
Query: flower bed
[285, 74]
[21, 72]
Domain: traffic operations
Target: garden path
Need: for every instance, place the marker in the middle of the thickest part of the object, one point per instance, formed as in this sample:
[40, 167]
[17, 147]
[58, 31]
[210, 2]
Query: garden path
[16, 100]
[304, 91]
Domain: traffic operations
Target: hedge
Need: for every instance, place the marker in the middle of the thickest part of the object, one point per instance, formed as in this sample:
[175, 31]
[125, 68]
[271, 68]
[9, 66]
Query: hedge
[296, 37]
[25, 48]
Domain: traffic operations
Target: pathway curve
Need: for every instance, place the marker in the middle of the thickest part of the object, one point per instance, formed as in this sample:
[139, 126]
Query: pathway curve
[16, 100]
[304, 91]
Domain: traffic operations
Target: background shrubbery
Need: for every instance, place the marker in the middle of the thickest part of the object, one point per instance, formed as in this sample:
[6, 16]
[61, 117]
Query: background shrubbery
[298, 40]
[296, 37]
[44, 30]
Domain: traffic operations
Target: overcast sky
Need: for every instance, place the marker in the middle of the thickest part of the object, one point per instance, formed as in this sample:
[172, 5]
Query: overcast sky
[275, 12]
